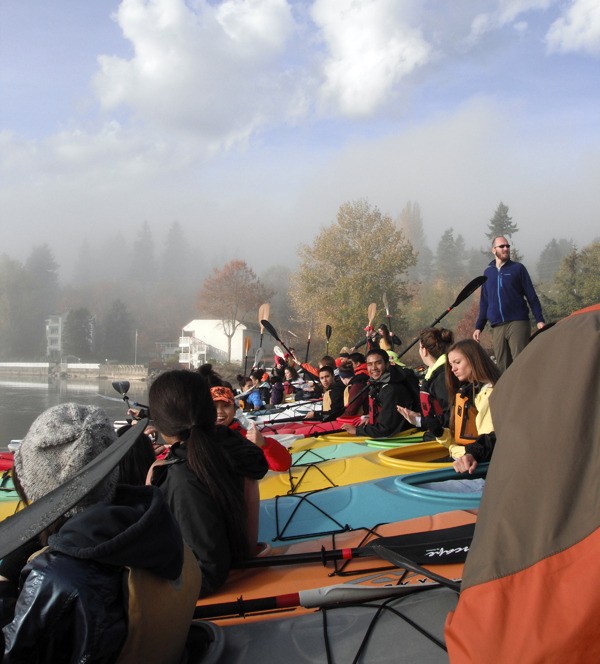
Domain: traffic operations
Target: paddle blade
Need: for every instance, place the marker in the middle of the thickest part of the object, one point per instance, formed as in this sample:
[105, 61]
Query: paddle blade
[258, 357]
[121, 386]
[470, 288]
[29, 522]
[328, 331]
[247, 344]
[386, 305]
[278, 351]
[371, 312]
[263, 314]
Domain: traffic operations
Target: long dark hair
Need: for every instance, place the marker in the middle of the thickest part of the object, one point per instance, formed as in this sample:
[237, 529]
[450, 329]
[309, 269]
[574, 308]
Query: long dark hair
[181, 406]
[483, 368]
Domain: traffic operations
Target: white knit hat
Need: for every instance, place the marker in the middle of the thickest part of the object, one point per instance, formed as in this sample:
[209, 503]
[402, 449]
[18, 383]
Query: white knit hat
[60, 442]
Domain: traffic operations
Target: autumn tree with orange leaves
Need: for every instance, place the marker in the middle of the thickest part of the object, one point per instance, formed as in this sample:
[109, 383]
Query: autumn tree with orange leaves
[232, 294]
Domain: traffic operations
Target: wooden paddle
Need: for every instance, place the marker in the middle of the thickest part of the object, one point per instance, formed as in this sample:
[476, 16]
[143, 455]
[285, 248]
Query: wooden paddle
[263, 314]
[247, 344]
[469, 289]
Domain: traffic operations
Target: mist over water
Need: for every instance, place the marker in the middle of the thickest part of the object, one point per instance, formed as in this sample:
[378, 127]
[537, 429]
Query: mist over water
[21, 401]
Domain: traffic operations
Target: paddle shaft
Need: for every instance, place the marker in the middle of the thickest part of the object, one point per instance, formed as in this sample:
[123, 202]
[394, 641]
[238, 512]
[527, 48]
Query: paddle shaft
[429, 547]
[469, 289]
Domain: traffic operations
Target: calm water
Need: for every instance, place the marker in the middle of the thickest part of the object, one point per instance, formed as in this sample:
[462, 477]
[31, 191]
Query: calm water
[21, 401]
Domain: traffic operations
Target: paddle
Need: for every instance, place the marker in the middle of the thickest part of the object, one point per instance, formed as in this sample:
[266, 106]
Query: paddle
[431, 547]
[263, 314]
[307, 346]
[122, 387]
[387, 312]
[279, 352]
[31, 521]
[328, 331]
[469, 289]
[400, 561]
[247, 344]
[309, 599]
[273, 332]
[258, 357]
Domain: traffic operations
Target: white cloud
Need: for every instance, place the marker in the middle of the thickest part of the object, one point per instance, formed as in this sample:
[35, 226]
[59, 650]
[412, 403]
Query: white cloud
[370, 49]
[212, 71]
[504, 13]
[577, 30]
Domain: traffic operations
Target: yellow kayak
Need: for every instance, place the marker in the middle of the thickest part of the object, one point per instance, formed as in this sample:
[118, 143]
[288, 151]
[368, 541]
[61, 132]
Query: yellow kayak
[9, 498]
[410, 435]
[360, 468]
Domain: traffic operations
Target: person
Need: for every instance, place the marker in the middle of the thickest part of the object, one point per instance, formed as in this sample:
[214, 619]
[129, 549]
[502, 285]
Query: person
[251, 394]
[209, 477]
[387, 339]
[503, 302]
[70, 599]
[333, 396]
[356, 397]
[433, 344]
[470, 378]
[277, 456]
[260, 381]
[390, 387]
[292, 390]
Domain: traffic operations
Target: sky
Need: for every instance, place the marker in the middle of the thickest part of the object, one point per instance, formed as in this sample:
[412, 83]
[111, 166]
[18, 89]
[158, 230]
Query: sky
[251, 121]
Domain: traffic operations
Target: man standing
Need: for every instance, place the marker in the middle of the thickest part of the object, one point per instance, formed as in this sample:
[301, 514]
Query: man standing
[504, 299]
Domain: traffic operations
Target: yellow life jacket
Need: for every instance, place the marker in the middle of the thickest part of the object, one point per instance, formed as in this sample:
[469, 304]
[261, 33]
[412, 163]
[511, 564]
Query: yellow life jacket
[153, 603]
[465, 413]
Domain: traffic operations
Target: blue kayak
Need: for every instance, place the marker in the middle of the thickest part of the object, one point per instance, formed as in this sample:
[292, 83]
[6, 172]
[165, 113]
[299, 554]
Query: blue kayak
[366, 504]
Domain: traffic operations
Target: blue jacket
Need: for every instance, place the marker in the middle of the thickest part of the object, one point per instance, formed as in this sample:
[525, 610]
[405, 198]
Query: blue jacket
[505, 294]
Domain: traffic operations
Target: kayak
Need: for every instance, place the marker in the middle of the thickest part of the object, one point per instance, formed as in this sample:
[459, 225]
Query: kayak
[324, 440]
[363, 505]
[340, 472]
[9, 498]
[264, 592]
[411, 627]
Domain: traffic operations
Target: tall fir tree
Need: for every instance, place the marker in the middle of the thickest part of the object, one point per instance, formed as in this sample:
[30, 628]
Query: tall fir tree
[501, 223]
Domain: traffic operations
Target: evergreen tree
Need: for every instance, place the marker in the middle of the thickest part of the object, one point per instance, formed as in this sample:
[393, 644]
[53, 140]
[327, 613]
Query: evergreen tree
[410, 222]
[501, 223]
[551, 258]
[78, 331]
[118, 334]
[450, 258]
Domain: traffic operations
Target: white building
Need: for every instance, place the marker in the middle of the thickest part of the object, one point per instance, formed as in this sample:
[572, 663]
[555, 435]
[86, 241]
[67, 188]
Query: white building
[205, 339]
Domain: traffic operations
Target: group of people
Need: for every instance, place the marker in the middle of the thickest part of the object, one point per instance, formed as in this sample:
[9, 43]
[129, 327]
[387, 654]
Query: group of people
[64, 590]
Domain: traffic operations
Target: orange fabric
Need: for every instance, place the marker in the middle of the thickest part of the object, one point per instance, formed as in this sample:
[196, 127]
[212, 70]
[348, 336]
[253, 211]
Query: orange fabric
[547, 613]
[592, 307]
[465, 414]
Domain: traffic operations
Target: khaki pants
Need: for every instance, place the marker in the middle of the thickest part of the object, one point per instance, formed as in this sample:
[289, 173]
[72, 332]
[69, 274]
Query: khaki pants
[509, 339]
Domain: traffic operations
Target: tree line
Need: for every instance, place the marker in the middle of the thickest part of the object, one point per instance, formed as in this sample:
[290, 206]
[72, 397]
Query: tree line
[136, 289]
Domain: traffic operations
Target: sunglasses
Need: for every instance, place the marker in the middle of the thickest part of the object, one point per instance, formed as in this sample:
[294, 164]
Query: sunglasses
[502, 246]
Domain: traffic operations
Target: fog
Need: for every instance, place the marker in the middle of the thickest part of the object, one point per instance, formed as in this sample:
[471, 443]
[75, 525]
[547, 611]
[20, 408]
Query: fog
[250, 123]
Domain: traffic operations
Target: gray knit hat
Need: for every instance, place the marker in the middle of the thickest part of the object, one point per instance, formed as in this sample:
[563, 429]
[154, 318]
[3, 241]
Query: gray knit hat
[61, 441]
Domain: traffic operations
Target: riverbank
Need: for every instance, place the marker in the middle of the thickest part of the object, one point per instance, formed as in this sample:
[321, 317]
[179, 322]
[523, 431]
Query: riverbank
[79, 370]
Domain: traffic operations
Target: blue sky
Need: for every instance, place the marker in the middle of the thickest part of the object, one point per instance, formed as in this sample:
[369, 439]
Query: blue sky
[247, 120]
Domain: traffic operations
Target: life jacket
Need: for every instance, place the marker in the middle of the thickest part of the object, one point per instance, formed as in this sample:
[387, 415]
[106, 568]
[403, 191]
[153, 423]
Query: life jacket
[430, 406]
[465, 413]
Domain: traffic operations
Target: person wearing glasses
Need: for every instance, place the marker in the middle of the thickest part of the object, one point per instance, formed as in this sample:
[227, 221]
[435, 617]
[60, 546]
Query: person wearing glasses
[504, 299]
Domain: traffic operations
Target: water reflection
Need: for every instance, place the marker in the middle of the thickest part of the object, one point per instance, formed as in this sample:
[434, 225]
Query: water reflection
[21, 401]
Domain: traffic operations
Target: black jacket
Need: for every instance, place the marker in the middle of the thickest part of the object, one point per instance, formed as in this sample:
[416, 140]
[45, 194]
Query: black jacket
[71, 607]
[197, 513]
[385, 394]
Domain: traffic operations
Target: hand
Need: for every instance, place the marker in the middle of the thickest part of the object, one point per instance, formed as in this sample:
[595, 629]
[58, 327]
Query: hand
[540, 326]
[310, 415]
[409, 415]
[465, 464]
[349, 428]
[433, 425]
[477, 335]
[255, 436]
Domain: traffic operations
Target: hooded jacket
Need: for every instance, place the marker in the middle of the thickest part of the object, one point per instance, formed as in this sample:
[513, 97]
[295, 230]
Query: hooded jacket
[72, 607]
